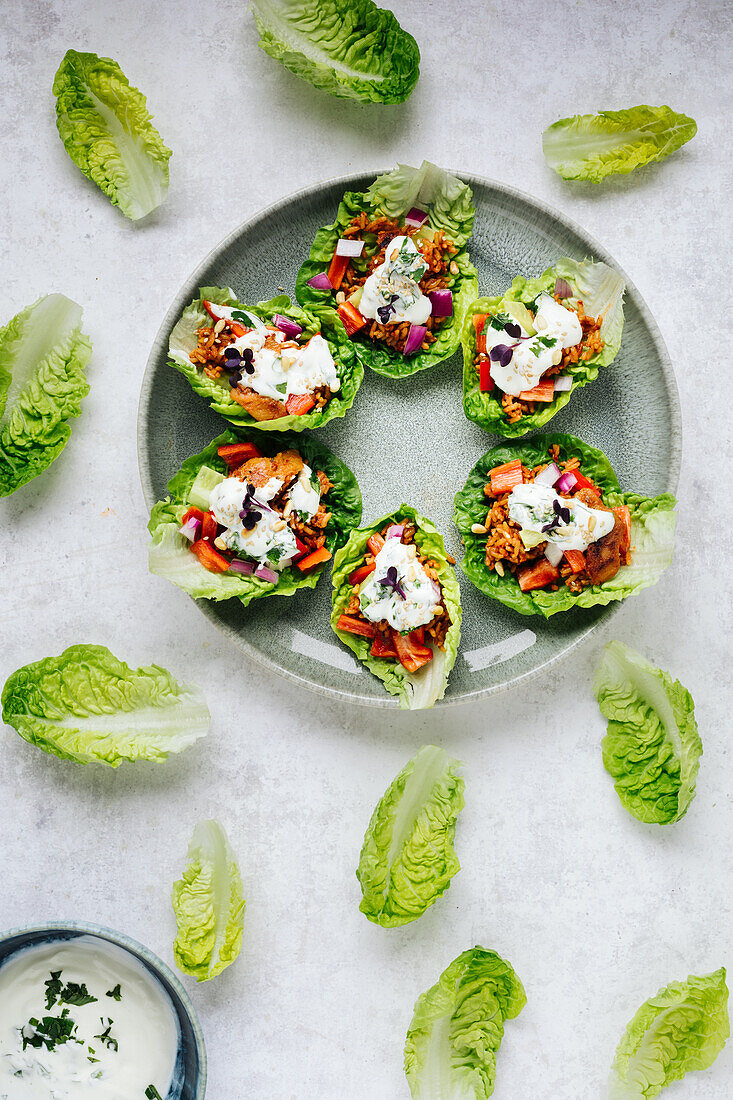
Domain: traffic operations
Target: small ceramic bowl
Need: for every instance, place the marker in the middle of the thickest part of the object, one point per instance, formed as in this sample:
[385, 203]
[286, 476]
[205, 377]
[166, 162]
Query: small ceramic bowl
[189, 1079]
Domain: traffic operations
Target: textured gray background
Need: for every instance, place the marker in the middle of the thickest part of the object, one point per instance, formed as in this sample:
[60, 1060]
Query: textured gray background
[594, 909]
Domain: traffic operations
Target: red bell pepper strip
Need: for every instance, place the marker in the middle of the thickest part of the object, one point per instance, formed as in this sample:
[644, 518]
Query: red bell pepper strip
[193, 513]
[352, 319]
[313, 559]
[209, 557]
[234, 454]
[485, 381]
[351, 625]
[583, 482]
[504, 478]
[375, 543]
[380, 648]
[576, 560]
[208, 526]
[361, 573]
[412, 654]
[537, 574]
[337, 270]
[545, 391]
[302, 548]
[216, 314]
[298, 404]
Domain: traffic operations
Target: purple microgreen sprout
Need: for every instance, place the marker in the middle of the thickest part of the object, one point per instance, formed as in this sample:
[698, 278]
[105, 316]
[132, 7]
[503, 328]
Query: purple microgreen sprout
[514, 331]
[392, 581]
[501, 353]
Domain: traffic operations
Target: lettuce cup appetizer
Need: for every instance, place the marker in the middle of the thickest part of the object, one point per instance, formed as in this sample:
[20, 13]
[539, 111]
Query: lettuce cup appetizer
[268, 364]
[546, 528]
[525, 353]
[397, 605]
[393, 269]
[253, 515]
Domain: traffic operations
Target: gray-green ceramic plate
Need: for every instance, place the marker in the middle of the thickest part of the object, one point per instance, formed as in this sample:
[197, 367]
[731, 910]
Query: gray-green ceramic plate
[409, 440]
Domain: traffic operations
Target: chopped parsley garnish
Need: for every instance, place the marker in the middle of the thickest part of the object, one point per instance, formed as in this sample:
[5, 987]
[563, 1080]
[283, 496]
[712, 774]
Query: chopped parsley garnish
[72, 993]
[282, 387]
[499, 321]
[237, 315]
[152, 1093]
[105, 1037]
[53, 988]
[116, 993]
[50, 1032]
[315, 483]
[545, 341]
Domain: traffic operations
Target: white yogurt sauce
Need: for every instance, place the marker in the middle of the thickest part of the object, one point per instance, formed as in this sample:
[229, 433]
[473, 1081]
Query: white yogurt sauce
[557, 328]
[399, 275]
[280, 372]
[270, 541]
[532, 507]
[422, 595]
[142, 1023]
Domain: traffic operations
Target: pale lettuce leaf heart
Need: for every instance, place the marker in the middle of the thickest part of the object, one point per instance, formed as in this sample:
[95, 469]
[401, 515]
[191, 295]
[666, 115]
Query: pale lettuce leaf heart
[350, 48]
[107, 131]
[43, 353]
[447, 199]
[415, 690]
[458, 1025]
[683, 1027]
[408, 860]
[87, 706]
[208, 901]
[652, 748]
[591, 147]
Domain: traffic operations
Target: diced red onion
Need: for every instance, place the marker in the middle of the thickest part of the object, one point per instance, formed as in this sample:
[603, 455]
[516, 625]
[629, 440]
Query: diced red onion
[266, 574]
[563, 383]
[415, 337]
[290, 328]
[320, 281]
[416, 216]
[347, 246]
[190, 529]
[566, 482]
[563, 288]
[553, 553]
[549, 475]
[442, 302]
[395, 531]
[236, 565]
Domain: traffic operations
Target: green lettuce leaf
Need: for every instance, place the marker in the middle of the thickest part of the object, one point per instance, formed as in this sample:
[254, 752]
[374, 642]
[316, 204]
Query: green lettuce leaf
[183, 340]
[652, 747]
[408, 859]
[43, 353]
[86, 705]
[350, 48]
[652, 530]
[683, 1027]
[458, 1025]
[169, 554]
[601, 290]
[209, 905]
[107, 131]
[591, 147]
[449, 203]
[416, 690]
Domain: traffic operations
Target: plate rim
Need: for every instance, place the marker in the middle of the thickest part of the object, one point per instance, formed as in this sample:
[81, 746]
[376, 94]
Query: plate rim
[347, 182]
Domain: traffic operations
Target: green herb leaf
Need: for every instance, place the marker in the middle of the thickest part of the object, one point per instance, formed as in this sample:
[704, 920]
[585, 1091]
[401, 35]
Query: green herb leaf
[282, 387]
[499, 320]
[152, 1093]
[116, 993]
[74, 994]
[53, 988]
[105, 1037]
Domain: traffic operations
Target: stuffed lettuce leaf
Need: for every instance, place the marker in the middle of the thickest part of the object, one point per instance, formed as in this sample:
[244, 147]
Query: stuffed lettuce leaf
[683, 1027]
[372, 216]
[169, 553]
[184, 340]
[652, 748]
[208, 901]
[652, 524]
[350, 48]
[457, 1028]
[597, 286]
[87, 706]
[43, 353]
[408, 860]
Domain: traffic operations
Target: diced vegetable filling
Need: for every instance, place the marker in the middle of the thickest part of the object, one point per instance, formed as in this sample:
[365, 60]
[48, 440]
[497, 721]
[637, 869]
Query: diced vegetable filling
[270, 371]
[549, 526]
[267, 514]
[528, 353]
[397, 599]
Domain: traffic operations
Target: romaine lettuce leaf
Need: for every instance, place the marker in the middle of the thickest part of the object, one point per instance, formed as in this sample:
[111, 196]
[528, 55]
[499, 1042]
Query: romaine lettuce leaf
[652, 530]
[107, 131]
[350, 48]
[169, 554]
[183, 340]
[683, 1027]
[591, 147]
[601, 290]
[408, 860]
[449, 202]
[43, 353]
[416, 690]
[458, 1025]
[652, 747]
[86, 705]
[209, 905]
